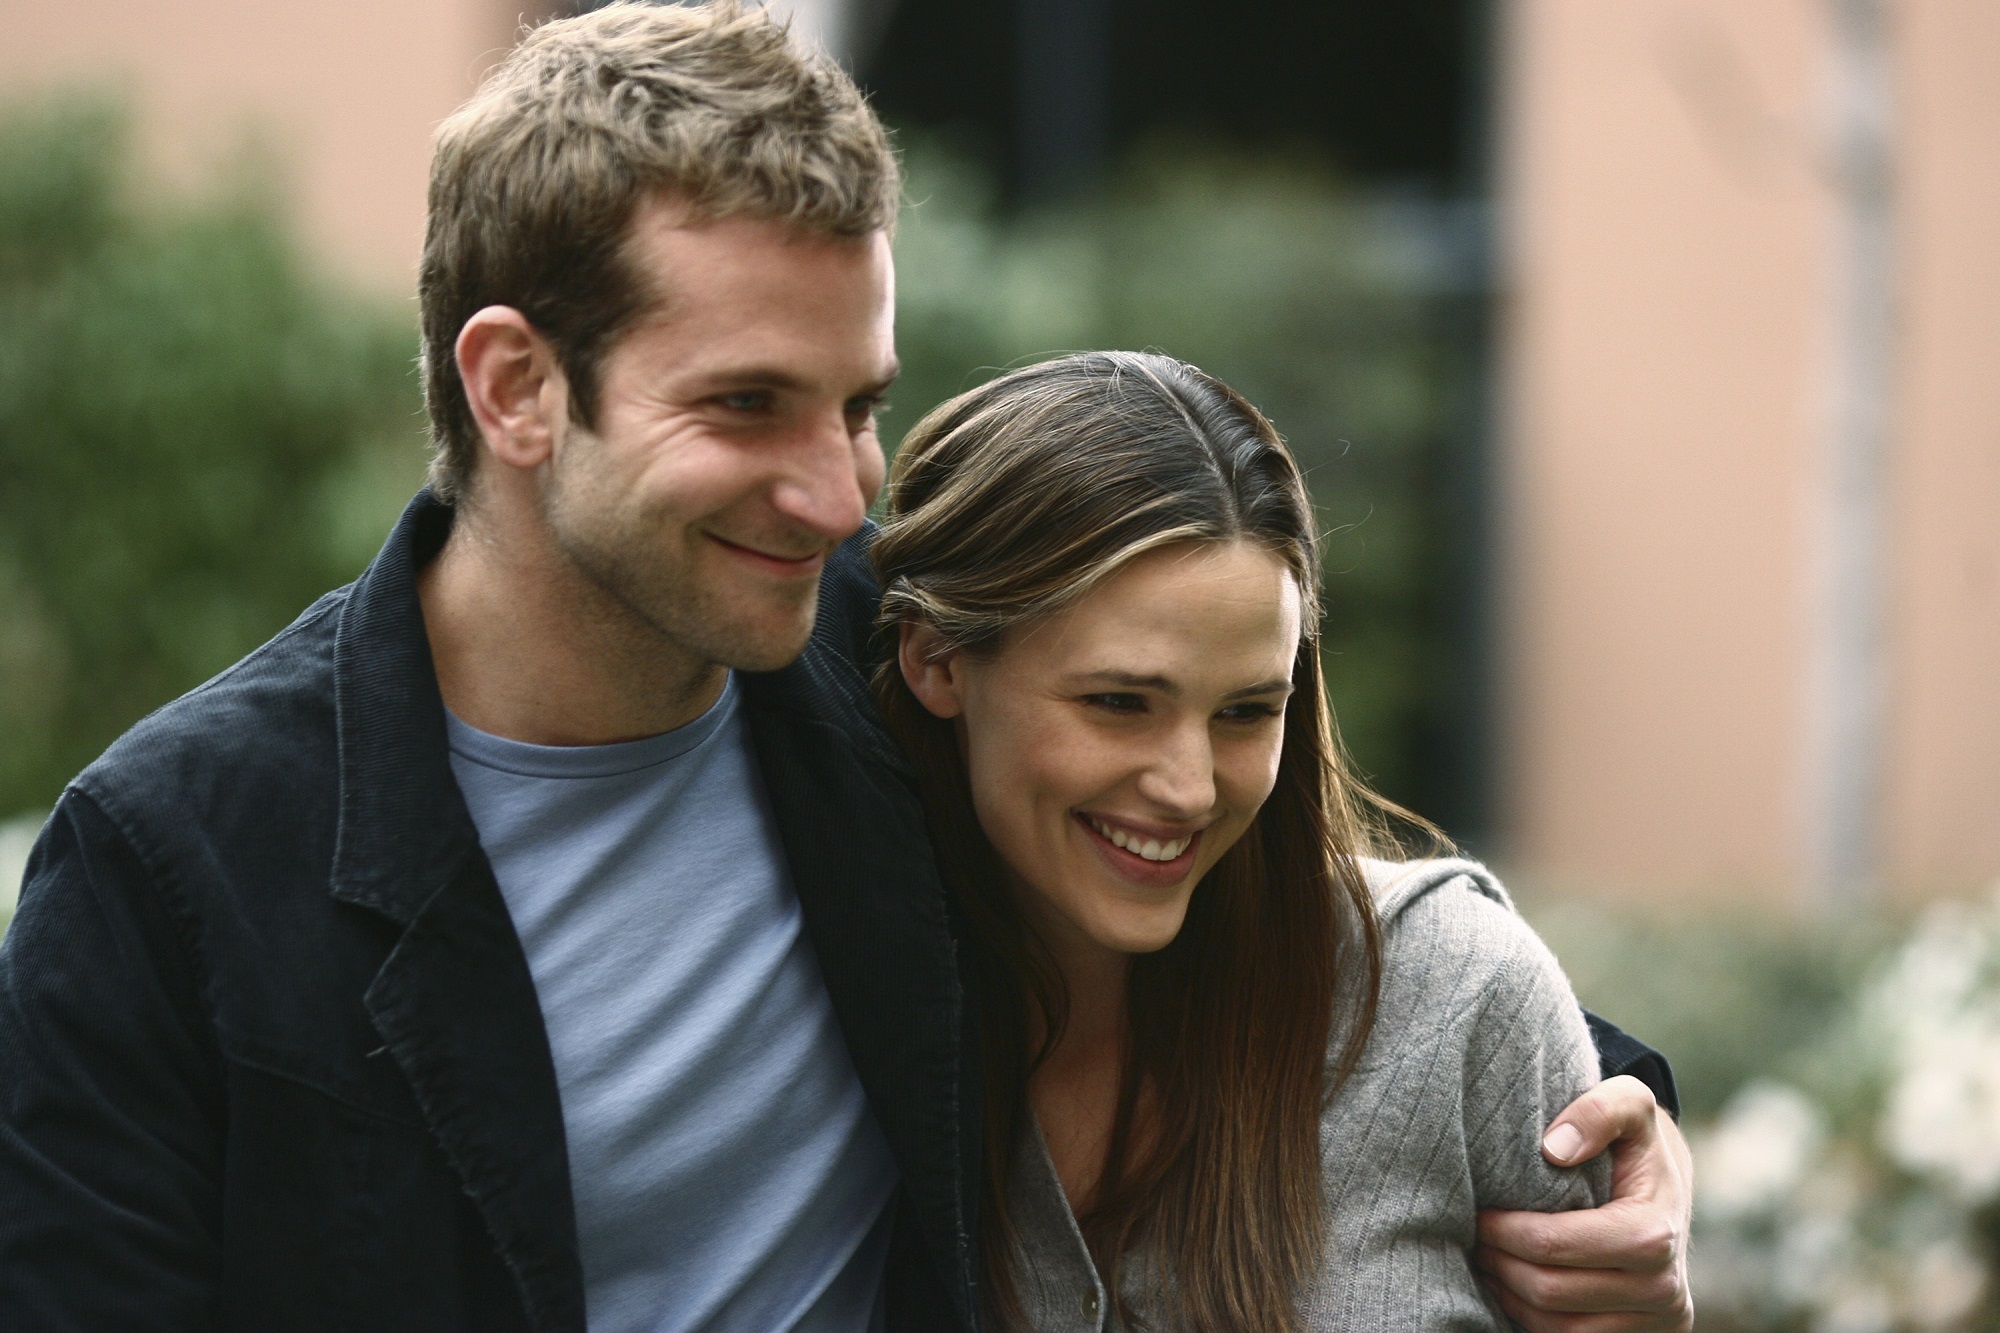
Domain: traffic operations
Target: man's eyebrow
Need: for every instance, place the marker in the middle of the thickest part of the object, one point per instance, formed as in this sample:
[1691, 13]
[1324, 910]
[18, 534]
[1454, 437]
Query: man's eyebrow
[752, 377]
[773, 377]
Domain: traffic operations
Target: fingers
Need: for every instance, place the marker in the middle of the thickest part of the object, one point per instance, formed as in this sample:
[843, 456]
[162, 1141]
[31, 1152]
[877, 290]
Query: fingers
[1620, 1268]
[1676, 1145]
[1581, 1290]
[1625, 1235]
[1618, 1108]
[1556, 1321]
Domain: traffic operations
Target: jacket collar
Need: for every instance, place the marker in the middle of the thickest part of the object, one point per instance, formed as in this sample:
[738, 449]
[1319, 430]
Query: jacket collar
[403, 827]
[454, 1001]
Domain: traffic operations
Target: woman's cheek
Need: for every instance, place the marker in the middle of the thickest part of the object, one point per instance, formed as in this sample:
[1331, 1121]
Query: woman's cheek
[1251, 773]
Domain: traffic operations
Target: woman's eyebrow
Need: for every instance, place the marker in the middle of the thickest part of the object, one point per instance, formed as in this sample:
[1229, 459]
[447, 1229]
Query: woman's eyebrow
[1276, 685]
[1133, 680]
[1130, 680]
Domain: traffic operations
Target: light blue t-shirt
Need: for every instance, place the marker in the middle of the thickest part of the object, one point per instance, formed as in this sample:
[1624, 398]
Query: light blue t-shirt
[728, 1174]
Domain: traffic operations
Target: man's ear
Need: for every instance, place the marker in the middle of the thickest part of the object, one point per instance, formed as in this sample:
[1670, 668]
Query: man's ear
[931, 669]
[512, 383]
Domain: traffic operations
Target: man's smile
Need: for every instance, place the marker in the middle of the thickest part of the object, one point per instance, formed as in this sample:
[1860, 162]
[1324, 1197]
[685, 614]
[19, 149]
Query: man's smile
[773, 562]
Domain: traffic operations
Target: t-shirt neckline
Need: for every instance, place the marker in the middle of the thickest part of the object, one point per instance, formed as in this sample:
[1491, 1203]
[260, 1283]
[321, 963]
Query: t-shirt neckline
[526, 759]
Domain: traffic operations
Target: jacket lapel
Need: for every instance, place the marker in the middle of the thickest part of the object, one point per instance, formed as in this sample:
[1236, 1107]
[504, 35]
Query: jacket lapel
[454, 1002]
[456, 1006]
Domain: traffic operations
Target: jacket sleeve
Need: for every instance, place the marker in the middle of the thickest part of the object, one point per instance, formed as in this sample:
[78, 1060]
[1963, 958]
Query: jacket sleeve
[1619, 1052]
[111, 1110]
[1528, 1055]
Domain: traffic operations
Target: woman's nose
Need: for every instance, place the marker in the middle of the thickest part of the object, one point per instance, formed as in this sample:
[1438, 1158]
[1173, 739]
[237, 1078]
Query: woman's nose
[1181, 780]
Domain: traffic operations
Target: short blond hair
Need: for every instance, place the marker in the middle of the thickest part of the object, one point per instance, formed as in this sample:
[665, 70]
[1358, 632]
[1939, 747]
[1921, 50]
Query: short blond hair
[536, 179]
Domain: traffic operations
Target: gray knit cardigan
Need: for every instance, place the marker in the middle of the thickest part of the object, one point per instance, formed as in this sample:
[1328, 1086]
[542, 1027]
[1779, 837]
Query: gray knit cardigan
[1477, 1044]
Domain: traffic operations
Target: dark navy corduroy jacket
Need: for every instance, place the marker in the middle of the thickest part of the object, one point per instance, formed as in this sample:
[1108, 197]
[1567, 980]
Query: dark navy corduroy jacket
[270, 1054]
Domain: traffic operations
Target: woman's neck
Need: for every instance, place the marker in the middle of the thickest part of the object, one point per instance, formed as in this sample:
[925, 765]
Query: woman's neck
[1074, 1090]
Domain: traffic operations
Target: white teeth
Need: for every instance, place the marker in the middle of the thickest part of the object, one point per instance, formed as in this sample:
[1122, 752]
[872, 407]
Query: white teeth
[1149, 848]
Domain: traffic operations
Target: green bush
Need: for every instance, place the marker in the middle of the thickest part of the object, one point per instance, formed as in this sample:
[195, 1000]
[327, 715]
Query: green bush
[196, 439]
[1730, 995]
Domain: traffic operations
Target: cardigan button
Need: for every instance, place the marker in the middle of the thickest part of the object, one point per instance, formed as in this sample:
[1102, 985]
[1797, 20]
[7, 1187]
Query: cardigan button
[1091, 1306]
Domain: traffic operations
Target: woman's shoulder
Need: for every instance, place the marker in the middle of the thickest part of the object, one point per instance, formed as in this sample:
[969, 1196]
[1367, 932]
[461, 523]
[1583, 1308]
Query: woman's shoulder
[1467, 982]
[1396, 885]
[1450, 919]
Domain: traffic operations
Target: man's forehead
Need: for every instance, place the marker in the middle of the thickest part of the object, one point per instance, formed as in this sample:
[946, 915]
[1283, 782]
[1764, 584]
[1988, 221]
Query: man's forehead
[669, 223]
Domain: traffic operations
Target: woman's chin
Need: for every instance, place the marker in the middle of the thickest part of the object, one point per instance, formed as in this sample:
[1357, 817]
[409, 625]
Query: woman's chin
[1141, 931]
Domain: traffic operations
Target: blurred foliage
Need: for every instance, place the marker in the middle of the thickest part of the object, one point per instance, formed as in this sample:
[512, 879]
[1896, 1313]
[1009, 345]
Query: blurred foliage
[1841, 1086]
[1729, 994]
[1347, 319]
[197, 438]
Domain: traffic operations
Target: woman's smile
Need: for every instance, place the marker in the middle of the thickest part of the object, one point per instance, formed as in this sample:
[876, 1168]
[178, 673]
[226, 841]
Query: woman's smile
[1157, 862]
[1117, 748]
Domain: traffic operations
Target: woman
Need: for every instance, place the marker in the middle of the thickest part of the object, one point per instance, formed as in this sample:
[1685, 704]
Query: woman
[1240, 1076]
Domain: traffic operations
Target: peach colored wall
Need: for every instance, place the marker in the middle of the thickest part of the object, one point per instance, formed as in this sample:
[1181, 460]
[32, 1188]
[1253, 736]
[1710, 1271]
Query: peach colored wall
[1943, 816]
[1670, 331]
[1662, 338]
[346, 93]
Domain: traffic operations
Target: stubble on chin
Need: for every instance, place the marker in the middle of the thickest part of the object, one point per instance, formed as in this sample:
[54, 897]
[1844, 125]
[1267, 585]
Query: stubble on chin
[711, 620]
[665, 586]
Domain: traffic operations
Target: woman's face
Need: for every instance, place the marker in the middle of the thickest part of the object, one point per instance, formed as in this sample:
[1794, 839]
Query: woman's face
[1117, 749]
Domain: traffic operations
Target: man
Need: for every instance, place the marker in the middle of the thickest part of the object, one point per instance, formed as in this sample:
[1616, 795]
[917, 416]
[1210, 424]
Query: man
[543, 923]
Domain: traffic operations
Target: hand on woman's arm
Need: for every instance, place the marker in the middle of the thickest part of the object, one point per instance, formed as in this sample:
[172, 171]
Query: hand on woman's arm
[1621, 1268]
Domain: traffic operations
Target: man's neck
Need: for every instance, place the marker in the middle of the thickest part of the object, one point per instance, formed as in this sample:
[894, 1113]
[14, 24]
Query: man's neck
[528, 648]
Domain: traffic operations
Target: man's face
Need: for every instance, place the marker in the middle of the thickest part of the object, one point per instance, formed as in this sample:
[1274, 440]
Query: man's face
[735, 440]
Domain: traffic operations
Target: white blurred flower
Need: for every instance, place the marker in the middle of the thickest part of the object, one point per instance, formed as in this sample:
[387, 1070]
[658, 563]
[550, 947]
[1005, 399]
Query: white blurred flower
[1944, 1285]
[1875, 1231]
[1939, 1006]
[1757, 1151]
[1856, 1305]
[1817, 1242]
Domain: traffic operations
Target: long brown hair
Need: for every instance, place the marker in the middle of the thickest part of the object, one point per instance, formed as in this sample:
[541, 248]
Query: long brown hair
[1013, 501]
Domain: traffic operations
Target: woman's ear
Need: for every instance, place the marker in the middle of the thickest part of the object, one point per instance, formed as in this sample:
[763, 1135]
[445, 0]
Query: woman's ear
[930, 668]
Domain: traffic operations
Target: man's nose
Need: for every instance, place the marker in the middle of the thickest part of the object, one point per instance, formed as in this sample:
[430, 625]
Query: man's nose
[824, 490]
[1181, 778]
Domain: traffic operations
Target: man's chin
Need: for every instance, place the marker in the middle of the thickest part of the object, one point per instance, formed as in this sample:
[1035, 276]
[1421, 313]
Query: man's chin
[769, 648]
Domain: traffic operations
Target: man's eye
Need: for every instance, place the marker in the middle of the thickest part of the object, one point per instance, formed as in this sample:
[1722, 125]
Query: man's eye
[868, 408]
[749, 400]
[1116, 703]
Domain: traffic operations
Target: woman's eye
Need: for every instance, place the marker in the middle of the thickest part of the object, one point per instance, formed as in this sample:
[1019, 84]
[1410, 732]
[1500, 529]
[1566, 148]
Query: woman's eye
[1249, 712]
[1116, 703]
